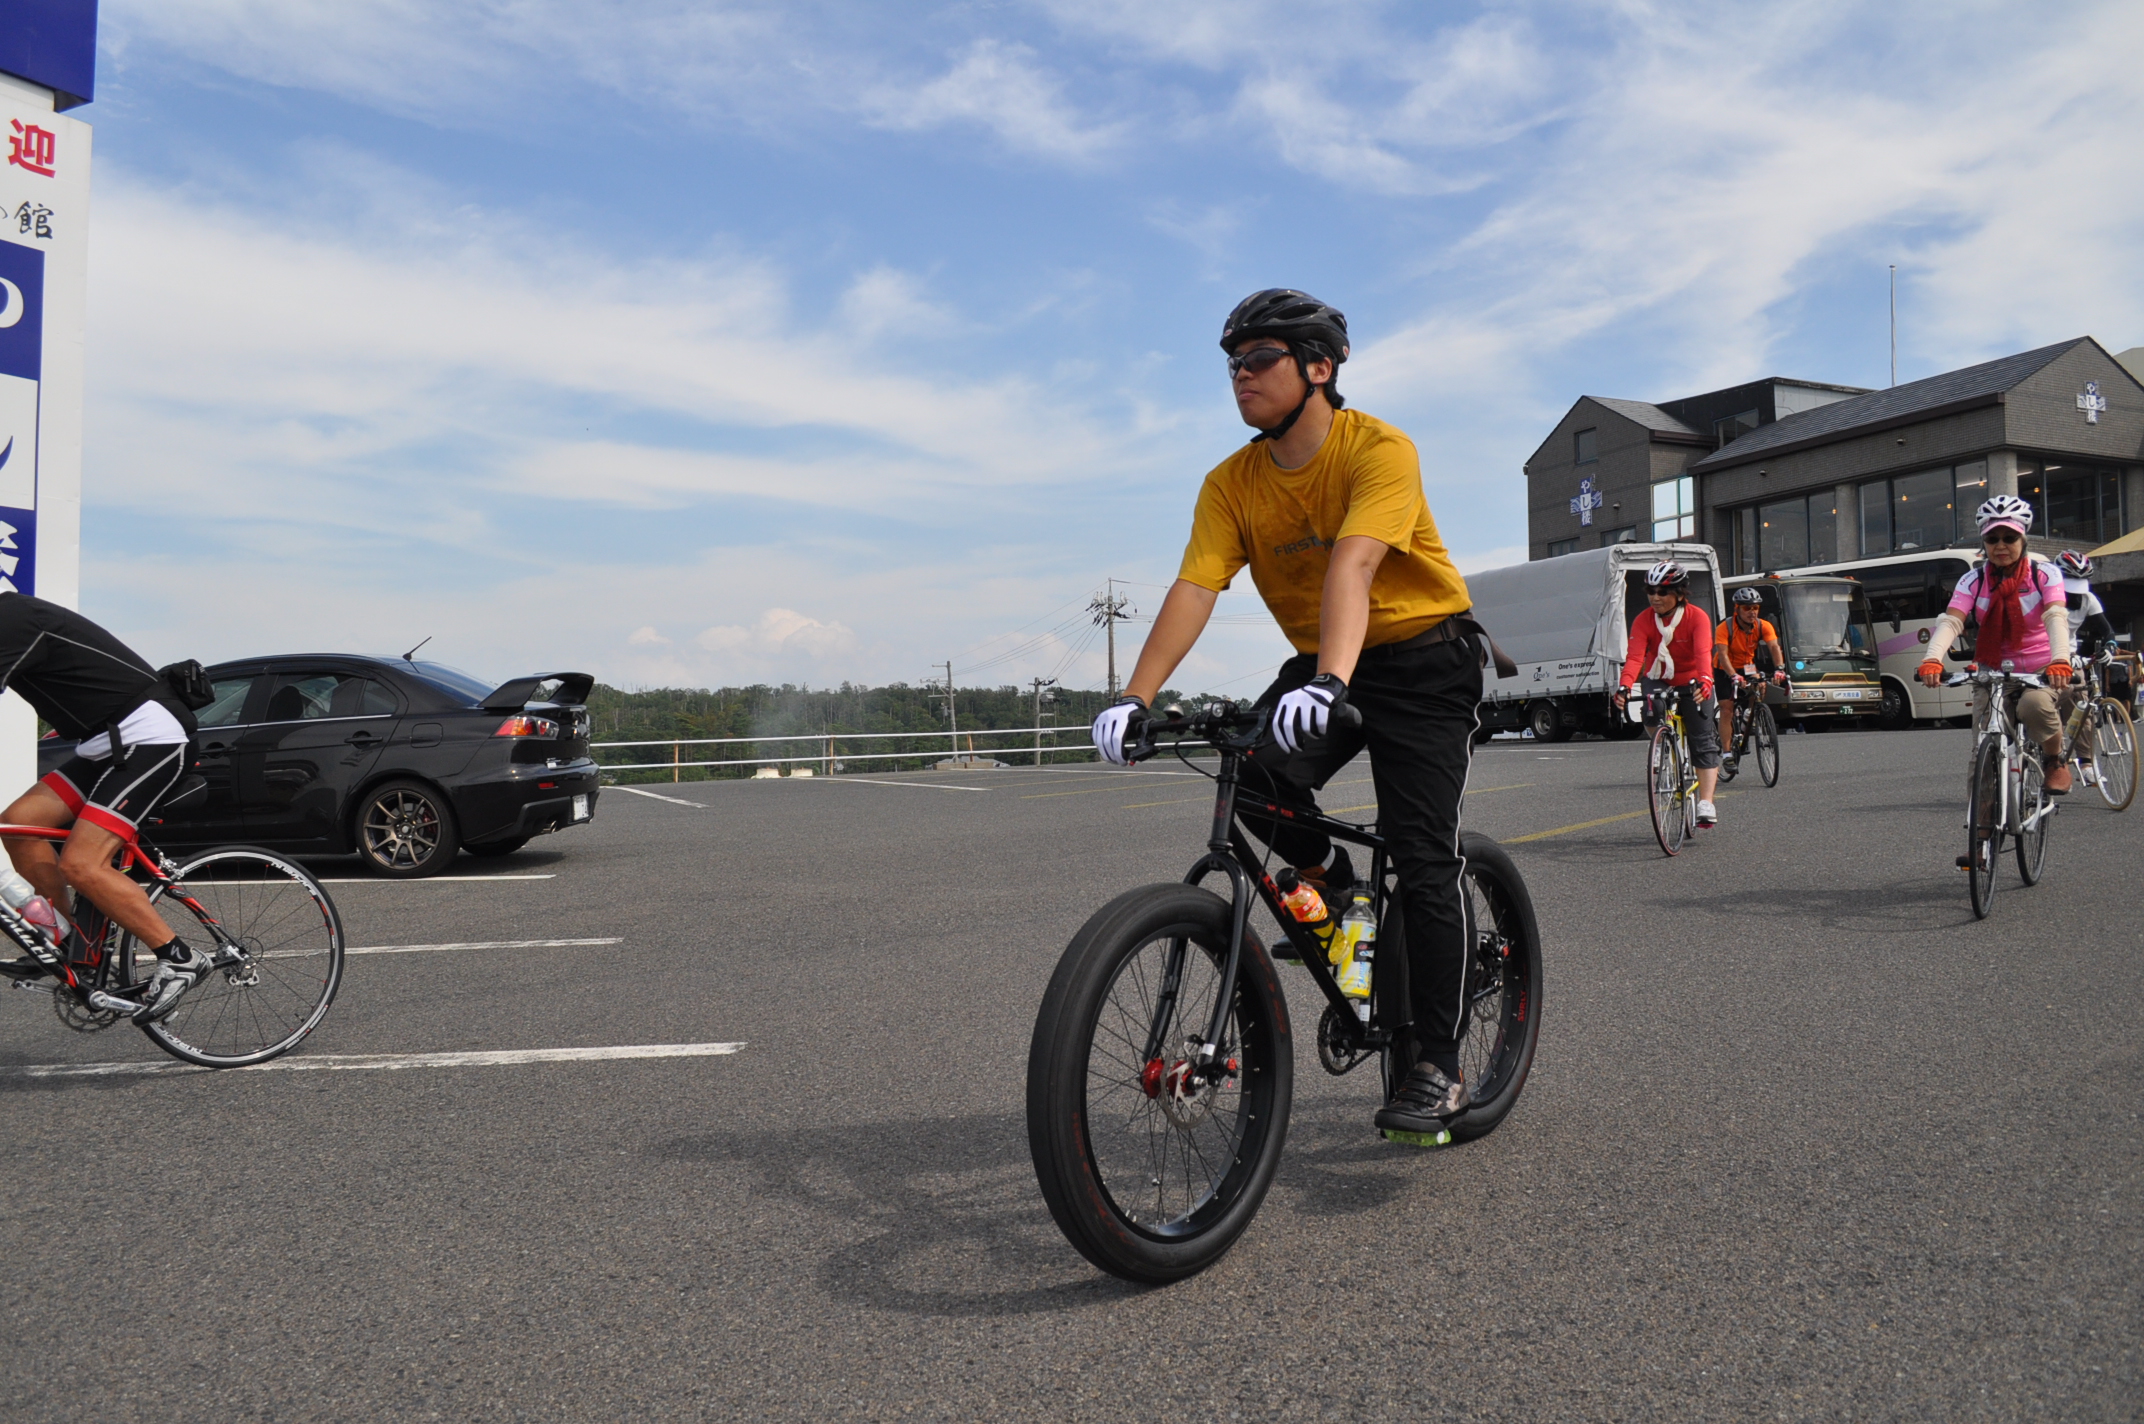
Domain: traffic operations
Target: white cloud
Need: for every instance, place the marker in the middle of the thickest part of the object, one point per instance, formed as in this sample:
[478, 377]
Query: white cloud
[647, 637]
[998, 87]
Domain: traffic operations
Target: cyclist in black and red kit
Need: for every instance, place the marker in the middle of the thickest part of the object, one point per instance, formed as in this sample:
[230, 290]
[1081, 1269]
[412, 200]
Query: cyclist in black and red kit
[132, 732]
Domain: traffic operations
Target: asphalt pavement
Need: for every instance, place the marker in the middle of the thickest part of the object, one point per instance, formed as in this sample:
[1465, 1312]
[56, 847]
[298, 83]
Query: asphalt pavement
[1803, 1140]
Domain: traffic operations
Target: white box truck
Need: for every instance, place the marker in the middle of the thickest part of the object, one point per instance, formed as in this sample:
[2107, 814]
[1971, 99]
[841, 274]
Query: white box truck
[1566, 622]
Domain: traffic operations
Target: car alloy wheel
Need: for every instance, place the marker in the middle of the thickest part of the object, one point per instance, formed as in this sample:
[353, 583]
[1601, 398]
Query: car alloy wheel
[406, 831]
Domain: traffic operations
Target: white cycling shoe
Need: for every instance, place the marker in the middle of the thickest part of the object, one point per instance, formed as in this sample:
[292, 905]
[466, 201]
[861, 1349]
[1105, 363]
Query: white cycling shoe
[1707, 815]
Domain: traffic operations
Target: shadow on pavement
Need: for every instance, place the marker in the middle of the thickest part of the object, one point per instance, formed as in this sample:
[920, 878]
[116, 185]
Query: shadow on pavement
[951, 1221]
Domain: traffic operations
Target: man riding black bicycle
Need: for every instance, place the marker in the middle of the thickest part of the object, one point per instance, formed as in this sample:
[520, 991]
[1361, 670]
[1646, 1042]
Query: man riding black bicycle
[132, 732]
[2090, 630]
[1325, 507]
[1734, 658]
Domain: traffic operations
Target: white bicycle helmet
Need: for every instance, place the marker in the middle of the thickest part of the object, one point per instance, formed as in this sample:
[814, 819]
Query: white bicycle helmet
[1746, 594]
[2075, 565]
[1667, 574]
[2004, 510]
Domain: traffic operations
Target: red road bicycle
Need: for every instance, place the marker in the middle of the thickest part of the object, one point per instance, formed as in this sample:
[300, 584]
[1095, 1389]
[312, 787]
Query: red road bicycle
[272, 935]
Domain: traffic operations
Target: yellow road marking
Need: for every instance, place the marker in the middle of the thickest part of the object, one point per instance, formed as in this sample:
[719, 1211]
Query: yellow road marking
[1179, 801]
[1589, 825]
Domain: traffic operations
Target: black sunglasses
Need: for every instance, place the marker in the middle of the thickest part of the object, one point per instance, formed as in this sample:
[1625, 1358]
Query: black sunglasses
[2000, 536]
[1260, 361]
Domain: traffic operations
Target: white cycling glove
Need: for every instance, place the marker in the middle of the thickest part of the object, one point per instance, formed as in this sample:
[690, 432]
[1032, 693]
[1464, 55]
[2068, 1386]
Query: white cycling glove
[1122, 720]
[1303, 714]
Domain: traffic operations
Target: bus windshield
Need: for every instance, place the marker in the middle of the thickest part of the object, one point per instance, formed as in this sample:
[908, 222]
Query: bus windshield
[1827, 626]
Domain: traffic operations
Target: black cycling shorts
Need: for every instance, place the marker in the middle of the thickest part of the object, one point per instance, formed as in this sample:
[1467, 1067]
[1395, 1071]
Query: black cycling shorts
[119, 798]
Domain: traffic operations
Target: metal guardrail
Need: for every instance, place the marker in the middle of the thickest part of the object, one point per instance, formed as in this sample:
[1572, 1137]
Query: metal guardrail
[832, 755]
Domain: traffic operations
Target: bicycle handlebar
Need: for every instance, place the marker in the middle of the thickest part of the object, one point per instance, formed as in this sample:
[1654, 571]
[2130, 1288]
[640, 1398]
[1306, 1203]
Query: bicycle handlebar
[1988, 677]
[1225, 726]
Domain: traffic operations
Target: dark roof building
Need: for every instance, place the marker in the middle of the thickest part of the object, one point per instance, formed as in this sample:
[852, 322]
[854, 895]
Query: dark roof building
[1781, 474]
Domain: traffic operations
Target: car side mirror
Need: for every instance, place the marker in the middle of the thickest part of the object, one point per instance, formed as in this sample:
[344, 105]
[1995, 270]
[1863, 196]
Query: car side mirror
[1959, 655]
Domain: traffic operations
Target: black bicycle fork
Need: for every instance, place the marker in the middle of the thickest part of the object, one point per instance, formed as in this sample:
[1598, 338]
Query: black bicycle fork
[1229, 852]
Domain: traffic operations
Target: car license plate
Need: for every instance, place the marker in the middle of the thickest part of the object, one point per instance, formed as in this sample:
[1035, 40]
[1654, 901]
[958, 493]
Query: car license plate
[580, 808]
[1849, 696]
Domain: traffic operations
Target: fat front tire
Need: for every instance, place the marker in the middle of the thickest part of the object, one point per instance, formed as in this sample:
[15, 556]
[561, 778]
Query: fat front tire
[1983, 836]
[1663, 790]
[2114, 753]
[1151, 1174]
[406, 830]
[1765, 733]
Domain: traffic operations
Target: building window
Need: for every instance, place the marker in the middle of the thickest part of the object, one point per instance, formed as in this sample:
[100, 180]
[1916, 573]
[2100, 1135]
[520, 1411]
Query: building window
[1674, 510]
[1585, 446]
[1732, 428]
[1628, 534]
[1562, 546]
[1786, 534]
[1921, 511]
[2076, 504]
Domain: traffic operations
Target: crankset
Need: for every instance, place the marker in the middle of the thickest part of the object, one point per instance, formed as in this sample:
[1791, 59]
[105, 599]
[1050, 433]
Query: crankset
[1341, 1048]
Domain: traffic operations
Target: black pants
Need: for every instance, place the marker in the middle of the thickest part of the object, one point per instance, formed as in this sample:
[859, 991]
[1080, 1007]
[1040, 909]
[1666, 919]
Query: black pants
[1419, 711]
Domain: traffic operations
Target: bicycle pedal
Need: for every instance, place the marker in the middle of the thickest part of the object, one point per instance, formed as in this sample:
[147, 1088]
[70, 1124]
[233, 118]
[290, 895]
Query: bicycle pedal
[1442, 1137]
[33, 988]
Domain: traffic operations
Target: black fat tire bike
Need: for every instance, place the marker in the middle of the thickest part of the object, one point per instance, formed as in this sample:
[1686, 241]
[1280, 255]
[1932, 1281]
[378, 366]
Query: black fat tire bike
[1162, 1066]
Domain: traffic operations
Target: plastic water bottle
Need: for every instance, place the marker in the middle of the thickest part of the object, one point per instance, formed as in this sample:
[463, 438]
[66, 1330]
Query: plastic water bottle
[22, 897]
[1355, 950]
[1301, 899]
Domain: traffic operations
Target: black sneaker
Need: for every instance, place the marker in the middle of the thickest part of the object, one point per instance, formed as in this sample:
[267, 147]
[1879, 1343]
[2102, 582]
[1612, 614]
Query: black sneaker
[1421, 1113]
[174, 976]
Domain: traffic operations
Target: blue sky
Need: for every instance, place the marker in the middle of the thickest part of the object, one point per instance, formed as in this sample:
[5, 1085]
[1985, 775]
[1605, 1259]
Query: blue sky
[701, 343]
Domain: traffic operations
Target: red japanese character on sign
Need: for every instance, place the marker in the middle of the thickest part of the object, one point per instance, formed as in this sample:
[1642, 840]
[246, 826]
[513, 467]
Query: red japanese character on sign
[31, 147]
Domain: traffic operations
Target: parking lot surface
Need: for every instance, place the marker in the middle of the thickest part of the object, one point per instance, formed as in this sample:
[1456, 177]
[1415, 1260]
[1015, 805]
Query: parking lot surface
[1803, 1140]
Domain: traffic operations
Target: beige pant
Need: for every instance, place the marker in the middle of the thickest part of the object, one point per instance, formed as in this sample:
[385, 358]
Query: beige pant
[2035, 707]
[2081, 748]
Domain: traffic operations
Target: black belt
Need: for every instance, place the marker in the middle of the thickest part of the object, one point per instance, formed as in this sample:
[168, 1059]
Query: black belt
[1453, 629]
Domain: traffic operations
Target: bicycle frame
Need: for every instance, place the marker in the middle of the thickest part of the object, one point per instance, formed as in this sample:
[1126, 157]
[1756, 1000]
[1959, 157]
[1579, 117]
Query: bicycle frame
[2003, 723]
[1229, 852]
[134, 855]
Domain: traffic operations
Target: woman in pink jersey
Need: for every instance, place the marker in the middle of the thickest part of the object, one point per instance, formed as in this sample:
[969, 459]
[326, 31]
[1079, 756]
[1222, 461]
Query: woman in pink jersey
[2023, 620]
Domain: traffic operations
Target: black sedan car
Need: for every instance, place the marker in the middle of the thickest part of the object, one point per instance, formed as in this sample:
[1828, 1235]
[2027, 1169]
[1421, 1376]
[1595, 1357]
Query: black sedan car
[404, 763]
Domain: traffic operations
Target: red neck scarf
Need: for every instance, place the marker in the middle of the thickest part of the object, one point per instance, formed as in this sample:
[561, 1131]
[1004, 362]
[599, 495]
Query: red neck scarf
[2002, 627]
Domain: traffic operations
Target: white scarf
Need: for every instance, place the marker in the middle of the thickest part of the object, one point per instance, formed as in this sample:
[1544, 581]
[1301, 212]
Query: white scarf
[1663, 666]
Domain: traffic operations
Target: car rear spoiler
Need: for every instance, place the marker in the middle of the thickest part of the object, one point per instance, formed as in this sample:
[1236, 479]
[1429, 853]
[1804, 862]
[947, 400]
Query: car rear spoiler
[573, 689]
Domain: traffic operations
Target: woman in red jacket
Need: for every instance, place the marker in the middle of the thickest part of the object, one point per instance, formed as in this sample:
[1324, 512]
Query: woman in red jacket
[1672, 643]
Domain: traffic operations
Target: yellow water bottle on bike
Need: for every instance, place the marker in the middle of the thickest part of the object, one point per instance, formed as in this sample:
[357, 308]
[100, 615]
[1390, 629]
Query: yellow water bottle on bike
[1354, 949]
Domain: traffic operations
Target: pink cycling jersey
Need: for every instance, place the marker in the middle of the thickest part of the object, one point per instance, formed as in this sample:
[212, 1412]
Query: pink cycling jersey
[2034, 653]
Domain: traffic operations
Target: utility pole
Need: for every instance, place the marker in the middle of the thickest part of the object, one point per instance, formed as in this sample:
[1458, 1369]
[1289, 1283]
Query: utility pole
[1109, 611]
[1040, 683]
[952, 715]
[1894, 323]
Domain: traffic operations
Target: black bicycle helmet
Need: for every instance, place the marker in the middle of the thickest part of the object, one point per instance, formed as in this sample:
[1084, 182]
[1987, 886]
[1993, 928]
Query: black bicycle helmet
[1312, 330]
[1746, 594]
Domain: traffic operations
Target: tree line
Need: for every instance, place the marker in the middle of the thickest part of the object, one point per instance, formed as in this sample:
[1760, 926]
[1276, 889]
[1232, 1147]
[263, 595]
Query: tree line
[672, 717]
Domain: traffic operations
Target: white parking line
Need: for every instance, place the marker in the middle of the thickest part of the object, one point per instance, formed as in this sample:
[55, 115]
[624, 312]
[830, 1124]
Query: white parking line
[919, 785]
[485, 1059]
[476, 944]
[425, 880]
[653, 796]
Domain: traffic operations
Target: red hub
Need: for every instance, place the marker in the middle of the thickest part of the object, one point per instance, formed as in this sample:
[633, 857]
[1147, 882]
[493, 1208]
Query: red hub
[1150, 1079]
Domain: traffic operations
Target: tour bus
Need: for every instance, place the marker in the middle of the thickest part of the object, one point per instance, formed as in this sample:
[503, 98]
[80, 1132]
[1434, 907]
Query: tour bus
[1824, 630]
[1906, 594]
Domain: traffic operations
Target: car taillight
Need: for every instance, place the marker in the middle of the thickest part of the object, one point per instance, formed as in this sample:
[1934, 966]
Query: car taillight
[527, 727]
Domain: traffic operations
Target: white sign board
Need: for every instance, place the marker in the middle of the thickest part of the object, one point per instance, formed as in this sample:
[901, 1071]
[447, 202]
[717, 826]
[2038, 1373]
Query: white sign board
[44, 248]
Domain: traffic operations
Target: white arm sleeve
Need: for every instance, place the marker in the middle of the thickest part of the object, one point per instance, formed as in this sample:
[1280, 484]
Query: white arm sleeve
[2057, 619]
[1946, 632]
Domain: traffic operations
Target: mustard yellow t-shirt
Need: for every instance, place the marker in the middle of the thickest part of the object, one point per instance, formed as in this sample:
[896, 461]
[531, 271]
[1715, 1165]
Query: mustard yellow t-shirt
[1282, 525]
